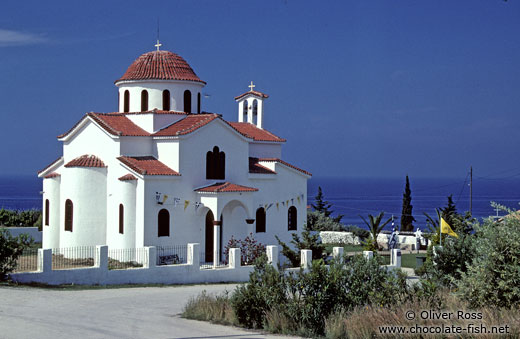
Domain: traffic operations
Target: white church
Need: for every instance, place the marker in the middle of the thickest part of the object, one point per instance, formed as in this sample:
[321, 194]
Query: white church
[161, 172]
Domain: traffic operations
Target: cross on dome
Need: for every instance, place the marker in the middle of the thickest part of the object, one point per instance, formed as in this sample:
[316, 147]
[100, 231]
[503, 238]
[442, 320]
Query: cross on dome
[251, 86]
[158, 44]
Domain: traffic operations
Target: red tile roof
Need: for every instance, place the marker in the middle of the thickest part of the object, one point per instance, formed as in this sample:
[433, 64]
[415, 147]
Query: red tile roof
[49, 165]
[114, 123]
[127, 177]
[285, 163]
[255, 167]
[255, 93]
[52, 175]
[147, 165]
[251, 131]
[187, 125]
[86, 160]
[225, 187]
[160, 65]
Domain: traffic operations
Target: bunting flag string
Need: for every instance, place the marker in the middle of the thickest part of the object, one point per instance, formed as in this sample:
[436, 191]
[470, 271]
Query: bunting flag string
[197, 205]
[298, 199]
[292, 201]
[176, 201]
[278, 206]
[165, 197]
[186, 203]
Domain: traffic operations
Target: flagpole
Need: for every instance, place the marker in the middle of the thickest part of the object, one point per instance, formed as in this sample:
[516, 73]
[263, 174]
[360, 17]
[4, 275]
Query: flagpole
[440, 233]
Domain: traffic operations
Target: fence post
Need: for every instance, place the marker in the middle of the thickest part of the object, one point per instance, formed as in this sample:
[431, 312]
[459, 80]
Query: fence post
[337, 253]
[194, 255]
[368, 255]
[101, 260]
[272, 255]
[234, 258]
[151, 252]
[306, 259]
[395, 258]
[44, 260]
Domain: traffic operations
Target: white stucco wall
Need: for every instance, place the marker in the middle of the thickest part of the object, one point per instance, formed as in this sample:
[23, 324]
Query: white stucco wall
[51, 232]
[265, 150]
[155, 89]
[87, 189]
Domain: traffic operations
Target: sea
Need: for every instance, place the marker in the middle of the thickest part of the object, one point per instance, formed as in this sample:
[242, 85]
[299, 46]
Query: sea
[351, 197]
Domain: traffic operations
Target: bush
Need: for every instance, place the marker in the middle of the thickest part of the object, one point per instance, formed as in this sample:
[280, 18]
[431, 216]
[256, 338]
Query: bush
[493, 277]
[361, 233]
[31, 217]
[309, 241]
[450, 261]
[216, 309]
[250, 249]
[10, 249]
[303, 301]
[319, 221]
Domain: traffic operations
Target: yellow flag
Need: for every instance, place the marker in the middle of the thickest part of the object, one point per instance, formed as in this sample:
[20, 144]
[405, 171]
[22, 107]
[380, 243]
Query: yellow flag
[186, 203]
[446, 228]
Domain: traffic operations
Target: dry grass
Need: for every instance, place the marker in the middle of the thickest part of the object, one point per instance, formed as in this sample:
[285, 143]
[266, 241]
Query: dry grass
[214, 308]
[365, 322]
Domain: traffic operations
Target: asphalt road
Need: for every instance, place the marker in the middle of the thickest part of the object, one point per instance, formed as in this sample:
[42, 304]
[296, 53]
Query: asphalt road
[141, 312]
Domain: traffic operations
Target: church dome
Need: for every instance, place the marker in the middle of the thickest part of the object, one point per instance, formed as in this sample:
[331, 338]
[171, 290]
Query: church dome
[160, 65]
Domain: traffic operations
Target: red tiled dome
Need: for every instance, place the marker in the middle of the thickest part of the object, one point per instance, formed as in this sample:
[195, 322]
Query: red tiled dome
[160, 65]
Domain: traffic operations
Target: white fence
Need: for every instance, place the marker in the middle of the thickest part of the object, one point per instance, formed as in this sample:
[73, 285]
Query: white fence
[190, 273]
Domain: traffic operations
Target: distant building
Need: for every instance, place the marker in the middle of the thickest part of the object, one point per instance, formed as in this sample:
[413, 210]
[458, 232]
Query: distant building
[162, 172]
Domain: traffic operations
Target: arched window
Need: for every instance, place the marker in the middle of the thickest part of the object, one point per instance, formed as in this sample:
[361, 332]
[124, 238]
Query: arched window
[198, 102]
[163, 223]
[292, 219]
[144, 100]
[187, 101]
[69, 211]
[126, 103]
[166, 100]
[215, 164]
[260, 220]
[255, 111]
[47, 212]
[244, 111]
[121, 218]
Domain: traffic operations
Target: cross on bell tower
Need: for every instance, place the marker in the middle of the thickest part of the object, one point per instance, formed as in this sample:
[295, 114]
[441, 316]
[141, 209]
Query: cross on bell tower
[251, 106]
[251, 86]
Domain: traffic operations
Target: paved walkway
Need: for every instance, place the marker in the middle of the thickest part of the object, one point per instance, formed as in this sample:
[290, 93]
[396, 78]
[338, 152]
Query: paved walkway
[141, 312]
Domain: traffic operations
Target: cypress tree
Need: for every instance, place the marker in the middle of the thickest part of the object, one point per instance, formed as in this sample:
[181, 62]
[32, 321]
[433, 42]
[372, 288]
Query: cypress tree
[407, 218]
[324, 206]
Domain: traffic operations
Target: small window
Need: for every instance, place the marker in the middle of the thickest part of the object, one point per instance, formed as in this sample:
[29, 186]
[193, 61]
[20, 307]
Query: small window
[144, 100]
[166, 100]
[126, 103]
[47, 212]
[121, 218]
[198, 103]
[215, 164]
[69, 217]
[187, 101]
[292, 219]
[260, 220]
[163, 223]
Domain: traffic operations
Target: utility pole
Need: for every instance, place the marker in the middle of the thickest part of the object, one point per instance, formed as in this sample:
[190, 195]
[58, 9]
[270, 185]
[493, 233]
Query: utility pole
[470, 189]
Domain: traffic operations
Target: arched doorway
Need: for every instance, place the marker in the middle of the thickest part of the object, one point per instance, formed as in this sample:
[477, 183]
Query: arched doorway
[209, 237]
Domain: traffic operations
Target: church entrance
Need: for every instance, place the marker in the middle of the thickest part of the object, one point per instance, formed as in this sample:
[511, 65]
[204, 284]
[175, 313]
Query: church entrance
[208, 255]
[209, 237]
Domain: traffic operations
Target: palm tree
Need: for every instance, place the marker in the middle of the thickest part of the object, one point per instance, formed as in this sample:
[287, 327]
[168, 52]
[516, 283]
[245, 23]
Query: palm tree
[375, 227]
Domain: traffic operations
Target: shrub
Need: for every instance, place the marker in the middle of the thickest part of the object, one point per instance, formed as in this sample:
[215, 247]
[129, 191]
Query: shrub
[10, 249]
[309, 241]
[318, 221]
[206, 307]
[493, 276]
[250, 249]
[361, 233]
[20, 218]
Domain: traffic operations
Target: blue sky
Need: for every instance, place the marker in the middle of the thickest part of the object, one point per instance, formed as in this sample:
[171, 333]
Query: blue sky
[359, 88]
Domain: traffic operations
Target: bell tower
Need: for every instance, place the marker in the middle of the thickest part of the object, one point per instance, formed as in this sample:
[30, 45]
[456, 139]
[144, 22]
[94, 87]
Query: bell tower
[251, 106]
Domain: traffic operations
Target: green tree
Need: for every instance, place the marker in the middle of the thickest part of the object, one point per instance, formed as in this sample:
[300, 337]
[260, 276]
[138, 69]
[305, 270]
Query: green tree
[407, 218]
[324, 206]
[10, 249]
[375, 227]
[318, 221]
